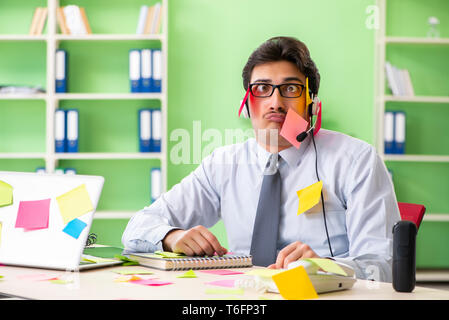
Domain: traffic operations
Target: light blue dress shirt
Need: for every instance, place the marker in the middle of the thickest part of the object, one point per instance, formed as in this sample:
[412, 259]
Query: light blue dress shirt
[360, 203]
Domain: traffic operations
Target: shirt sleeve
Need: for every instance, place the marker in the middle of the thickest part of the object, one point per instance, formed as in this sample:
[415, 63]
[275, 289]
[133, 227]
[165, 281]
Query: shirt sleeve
[372, 211]
[194, 201]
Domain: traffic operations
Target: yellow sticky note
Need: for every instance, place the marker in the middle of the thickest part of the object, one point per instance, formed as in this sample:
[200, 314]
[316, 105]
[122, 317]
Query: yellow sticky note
[5, 194]
[74, 203]
[188, 274]
[327, 265]
[309, 196]
[295, 284]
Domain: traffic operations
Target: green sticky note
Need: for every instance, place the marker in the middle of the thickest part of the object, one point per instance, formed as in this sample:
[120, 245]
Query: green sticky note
[127, 261]
[167, 254]
[5, 194]
[188, 274]
[327, 265]
[60, 281]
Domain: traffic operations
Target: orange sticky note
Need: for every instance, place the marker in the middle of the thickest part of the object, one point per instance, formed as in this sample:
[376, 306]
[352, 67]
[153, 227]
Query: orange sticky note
[74, 203]
[309, 196]
[293, 125]
[295, 284]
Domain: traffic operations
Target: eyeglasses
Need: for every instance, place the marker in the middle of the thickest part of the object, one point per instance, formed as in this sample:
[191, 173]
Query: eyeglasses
[287, 90]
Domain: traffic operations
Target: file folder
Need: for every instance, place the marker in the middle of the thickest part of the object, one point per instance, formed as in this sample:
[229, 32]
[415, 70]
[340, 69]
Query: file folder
[41, 170]
[60, 130]
[146, 70]
[61, 71]
[144, 130]
[72, 130]
[70, 171]
[134, 70]
[156, 184]
[399, 132]
[389, 132]
[156, 130]
[157, 70]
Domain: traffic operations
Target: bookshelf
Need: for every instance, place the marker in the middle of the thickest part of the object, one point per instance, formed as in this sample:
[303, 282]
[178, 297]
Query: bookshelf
[118, 160]
[419, 175]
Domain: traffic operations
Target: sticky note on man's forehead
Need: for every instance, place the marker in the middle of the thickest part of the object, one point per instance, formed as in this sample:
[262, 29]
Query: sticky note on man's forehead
[74, 203]
[309, 196]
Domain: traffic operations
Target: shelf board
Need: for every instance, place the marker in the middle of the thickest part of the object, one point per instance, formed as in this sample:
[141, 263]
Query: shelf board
[22, 96]
[22, 155]
[22, 37]
[109, 96]
[425, 99]
[107, 37]
[108, 155]
[415, 158]
[417, 40]
[438, 217]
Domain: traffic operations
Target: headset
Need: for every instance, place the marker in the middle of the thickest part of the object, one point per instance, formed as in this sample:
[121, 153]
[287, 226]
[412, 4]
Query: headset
[314, 109]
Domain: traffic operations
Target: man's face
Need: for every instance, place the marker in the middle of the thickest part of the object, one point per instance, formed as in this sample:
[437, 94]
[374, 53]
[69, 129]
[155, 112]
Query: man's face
[269, 112]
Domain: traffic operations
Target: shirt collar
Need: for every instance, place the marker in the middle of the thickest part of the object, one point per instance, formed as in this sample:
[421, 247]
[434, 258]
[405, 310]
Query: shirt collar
[291, 155]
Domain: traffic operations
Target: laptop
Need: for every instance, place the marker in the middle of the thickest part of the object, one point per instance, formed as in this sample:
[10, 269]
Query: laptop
[45, 220]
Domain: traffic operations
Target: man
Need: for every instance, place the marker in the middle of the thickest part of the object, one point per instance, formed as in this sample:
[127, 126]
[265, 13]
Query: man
[353, 224]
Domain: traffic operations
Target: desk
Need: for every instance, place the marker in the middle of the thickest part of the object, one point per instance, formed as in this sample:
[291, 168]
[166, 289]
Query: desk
[99, 284]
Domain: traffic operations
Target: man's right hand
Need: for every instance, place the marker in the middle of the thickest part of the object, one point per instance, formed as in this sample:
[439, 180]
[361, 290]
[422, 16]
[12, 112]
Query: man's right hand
[197, 241]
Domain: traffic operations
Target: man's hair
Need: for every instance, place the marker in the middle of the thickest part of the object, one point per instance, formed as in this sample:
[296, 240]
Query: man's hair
[288, 49]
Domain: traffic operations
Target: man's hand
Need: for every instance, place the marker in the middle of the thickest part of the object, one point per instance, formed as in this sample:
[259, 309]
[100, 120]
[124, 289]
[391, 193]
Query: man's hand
[197, 241]
[293, 252]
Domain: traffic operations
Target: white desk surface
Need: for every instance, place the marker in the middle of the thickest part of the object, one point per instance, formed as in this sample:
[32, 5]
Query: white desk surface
[99, 284]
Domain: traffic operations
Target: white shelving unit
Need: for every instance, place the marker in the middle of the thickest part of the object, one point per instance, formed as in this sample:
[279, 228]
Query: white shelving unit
[52, 99]
[381, 98]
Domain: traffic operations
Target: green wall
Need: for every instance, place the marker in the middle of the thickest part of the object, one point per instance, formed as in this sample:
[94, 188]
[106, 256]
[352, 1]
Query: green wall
[209, 43]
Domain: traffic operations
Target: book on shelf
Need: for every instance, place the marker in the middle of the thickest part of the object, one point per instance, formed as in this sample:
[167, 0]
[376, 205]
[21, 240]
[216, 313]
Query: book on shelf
[177, 261]
[72, 19]
[394, 132]
[150, 19]
[38, 21]
[399, 80]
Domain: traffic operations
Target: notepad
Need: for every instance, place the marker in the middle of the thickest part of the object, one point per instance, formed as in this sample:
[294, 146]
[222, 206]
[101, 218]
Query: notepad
[181, 262]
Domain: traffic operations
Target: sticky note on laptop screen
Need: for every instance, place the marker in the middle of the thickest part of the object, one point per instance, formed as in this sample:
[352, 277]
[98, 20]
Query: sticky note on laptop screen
[5, 194]
[74, 203]
[33, 214]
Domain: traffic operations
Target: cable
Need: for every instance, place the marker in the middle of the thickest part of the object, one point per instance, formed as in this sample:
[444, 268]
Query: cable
[322, 198]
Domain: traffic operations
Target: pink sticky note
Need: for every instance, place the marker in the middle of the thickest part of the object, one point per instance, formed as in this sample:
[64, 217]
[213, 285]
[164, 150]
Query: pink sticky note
[221, 272]
[293, 125]
[229, 283]
[151, 282]
[33, 214]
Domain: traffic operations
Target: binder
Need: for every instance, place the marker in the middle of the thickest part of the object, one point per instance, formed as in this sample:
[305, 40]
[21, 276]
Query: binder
[72, 130]
[157, 70]
[144, 130]
[70, 171]
[59, 171]
[41, 170]
[399, 132]
[60, 130]
[156, 184]
[389, 132]
[146, 70]
[156, 130]
[61, 71]
[134, 70]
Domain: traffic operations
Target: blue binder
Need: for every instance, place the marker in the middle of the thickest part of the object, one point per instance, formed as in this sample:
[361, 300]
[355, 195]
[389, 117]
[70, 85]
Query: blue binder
[389, 132]
[70, 171]
[134, 70]
[156, 130]
[399, 132]
[60, 130]
[72, 130]
[146, 80]
[157, 70]
[155, 184]
[144, 130]
[61, 71]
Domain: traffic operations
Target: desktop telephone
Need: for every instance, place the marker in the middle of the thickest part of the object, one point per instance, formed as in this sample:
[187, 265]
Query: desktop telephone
[322, 281]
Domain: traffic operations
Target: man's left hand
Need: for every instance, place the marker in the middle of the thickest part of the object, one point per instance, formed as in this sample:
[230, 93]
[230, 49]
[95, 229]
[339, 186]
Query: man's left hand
[293, 252]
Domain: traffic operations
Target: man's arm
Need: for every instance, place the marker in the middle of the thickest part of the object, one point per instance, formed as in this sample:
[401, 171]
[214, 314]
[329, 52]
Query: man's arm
[192, 202]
